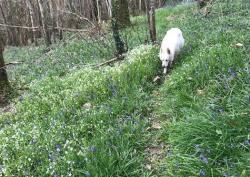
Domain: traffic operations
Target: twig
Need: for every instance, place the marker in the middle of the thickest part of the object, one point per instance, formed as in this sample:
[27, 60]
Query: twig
[11, 63]
[119, 58]
[38, 28]
[79, 16]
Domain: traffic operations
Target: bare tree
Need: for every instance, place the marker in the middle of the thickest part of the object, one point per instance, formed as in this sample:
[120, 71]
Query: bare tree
[32, 20]
[151, 20]
[120, 8]
[3, 73]
[120, 47]
[46, 32]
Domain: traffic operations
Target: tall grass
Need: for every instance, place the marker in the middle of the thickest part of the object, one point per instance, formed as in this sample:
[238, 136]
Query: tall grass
[206, 97]
[53, 133]
[76, 121]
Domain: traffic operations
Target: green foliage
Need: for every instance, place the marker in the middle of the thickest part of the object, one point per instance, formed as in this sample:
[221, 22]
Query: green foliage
[78, 121]
[206, 96]
[53, 133]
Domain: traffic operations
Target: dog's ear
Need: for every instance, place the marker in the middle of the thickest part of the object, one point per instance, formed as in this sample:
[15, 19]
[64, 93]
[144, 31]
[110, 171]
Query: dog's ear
[168, 50]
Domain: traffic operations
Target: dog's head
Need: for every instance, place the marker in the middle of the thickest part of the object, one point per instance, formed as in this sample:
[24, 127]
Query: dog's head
[165, 57]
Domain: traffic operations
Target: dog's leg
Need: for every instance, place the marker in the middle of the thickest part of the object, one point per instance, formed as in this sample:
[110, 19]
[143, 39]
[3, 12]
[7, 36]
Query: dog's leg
[165, 70]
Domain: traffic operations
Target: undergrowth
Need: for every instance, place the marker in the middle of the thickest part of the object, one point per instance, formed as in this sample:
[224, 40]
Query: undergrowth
[77, 121]
[88, 123]
[205, 100]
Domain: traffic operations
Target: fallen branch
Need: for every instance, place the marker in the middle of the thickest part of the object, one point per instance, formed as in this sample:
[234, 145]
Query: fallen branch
[12, 63]
[119, 58]
[38, 28]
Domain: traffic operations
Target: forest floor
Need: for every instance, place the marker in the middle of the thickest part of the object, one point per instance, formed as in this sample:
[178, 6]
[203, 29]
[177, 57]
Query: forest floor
[70, 119]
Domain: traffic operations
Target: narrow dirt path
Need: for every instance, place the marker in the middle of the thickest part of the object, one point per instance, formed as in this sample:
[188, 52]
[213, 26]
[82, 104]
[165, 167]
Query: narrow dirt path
[157, 148]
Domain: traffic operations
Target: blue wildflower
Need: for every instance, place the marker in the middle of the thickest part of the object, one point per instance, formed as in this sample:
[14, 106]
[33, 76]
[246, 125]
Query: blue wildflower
[221, 110]
[86, 173]
[58, 147]
[92, 149]
[247, 142]
[56, 176]
[204, 158]
[202, 172]
[197, 148]
[232, 72]
[1, 168]
[225, 175]
[169, 153]
[20, 98]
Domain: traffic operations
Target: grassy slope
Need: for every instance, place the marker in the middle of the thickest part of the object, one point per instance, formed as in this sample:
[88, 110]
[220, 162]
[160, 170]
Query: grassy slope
[205, 99]
[53, 133]
[206, 110]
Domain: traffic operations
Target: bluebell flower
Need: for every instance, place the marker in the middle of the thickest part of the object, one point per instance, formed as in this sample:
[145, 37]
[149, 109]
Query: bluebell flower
[58, 147]
[169, 153]
[225, 175]
[92, 149]
[204, 158]
[128, 118]
[247, 142]
[232, 72]
[248, 98]
[56, 176]
[86, 173]
[197, 148]
[20, 98]
[1, 168]
[202, 172]
[221, 110]
[33, 141]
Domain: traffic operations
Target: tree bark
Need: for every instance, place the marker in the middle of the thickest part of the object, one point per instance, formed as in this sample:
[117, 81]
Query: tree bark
[31, 13]
[3, 73]
[52, 19]
[46, 32]
[5, 22]
[121, 11]
[151, 20]
[59, 22]
[98, 7]
[120, 47]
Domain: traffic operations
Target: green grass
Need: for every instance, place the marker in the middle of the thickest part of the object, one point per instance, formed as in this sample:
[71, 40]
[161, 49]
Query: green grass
[53, 133]
[205, 100]
[203, 103]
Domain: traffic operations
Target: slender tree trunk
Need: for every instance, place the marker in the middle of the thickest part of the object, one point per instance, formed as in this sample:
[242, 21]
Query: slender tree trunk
[59, 22]
[5, 22]
[140, 5]
[3, 73]
[52, 17]
[120, 8]
[151, 20]
[98, 7]
[31, 13]
[120, 47]
[109, 7]
[46, 32]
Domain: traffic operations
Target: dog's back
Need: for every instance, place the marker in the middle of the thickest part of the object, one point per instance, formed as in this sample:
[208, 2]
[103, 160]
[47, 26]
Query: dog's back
[171, 45]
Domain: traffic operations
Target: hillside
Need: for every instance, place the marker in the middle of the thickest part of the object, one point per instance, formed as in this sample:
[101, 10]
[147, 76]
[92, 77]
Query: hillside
[76, 120]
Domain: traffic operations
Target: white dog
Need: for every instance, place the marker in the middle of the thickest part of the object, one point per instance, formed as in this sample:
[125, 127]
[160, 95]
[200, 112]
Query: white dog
[171, 45]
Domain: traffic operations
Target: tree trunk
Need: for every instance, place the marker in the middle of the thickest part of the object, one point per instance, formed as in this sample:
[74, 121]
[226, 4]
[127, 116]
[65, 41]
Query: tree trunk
[59, 22]
[120, 48]
[98, 8]
[5, 22]
[3, 73]
[52, 18]
[109, 7]
[151, 20]
[120, 9]
[46, 32]
[31, 13]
